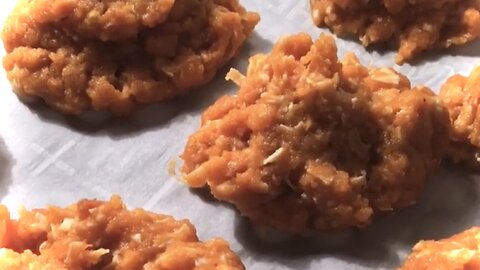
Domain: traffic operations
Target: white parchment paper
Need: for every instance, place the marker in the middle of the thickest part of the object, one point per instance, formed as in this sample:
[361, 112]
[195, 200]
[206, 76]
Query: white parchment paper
[48, 158]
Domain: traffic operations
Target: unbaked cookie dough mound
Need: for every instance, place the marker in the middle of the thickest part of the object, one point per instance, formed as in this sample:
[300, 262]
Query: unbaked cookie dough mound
[313, 143]
[116, 55]
[105, 235]
[461, 96]
[461, 251]
[412, 26]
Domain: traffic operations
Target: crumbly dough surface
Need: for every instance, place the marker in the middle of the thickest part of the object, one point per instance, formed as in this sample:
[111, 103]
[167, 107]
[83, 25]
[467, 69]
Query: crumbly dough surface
[412, 26]
[461, 96]
[461, 251]
[93, 235]
[313, 143]
[119, 54]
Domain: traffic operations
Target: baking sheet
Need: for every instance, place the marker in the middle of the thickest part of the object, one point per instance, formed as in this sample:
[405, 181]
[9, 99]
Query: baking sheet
[48, 158]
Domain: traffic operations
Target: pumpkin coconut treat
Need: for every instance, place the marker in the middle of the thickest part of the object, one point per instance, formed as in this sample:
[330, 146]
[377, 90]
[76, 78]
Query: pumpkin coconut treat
[461, 251]
[105, 235]
[412, 26]
[119, 54]
[461, 96]
[311, 143]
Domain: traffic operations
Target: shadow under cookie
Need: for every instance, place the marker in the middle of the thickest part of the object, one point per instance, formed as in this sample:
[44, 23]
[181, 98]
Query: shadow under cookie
[6, 164]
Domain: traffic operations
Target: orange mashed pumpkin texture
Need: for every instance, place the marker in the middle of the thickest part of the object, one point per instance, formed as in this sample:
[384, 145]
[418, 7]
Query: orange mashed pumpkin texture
[461, 96]
[461, 251]
[412, 26]
[93, 235]
[116, 55]
[310, 142]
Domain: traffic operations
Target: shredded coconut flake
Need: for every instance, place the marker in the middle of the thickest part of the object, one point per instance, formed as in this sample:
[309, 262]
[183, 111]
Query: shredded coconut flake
[137, 238]
[66, 225]
[274, 157]
[235, 76]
